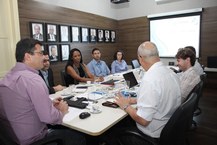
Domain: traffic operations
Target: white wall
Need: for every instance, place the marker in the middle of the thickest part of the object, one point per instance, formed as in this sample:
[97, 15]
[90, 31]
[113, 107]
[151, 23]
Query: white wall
[138, 8]
[98, 7]
[132, 9]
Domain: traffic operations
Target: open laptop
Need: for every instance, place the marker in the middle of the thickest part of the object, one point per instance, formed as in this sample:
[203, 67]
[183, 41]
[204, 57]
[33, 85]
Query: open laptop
[130, 77]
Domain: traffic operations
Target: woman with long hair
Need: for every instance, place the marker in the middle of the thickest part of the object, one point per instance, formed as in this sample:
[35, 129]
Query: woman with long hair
[76, 70]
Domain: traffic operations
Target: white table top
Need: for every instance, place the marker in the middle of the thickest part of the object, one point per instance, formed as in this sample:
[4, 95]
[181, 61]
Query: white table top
[206, 69]
[96, 124]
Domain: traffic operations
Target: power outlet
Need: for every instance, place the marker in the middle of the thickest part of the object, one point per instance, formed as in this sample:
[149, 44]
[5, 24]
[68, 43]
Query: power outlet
[171, 63]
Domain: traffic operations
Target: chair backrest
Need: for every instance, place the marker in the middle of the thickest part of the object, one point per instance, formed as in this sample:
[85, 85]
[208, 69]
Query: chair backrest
[5, 140]
[199, 93]
[135, 64]
[6, 136]
[63, 76]
[203, 77]
[174, 131]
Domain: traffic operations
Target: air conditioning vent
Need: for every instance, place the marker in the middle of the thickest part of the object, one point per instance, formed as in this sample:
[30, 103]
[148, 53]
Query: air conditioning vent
[166, 1]
[119, 1]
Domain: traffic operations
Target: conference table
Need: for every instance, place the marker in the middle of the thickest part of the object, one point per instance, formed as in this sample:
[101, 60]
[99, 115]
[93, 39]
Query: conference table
[99, 122]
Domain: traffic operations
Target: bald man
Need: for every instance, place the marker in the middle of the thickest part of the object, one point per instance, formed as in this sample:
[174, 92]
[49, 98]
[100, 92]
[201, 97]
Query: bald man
[159, 95]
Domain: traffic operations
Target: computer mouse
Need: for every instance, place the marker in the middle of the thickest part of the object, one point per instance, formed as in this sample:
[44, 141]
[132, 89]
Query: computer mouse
[84, 115]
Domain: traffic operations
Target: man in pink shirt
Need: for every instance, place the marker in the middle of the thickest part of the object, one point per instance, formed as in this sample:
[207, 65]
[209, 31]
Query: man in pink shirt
[25, 106]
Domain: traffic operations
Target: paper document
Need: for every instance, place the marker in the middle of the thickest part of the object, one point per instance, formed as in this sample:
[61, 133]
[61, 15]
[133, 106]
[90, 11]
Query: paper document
[72, 114]
[80, 90]
[96, 95]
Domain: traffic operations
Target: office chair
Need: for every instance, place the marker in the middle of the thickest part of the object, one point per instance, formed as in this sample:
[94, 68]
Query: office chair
[172, 134]
[6, 139]
[63, 77]
[198, 110]
[193, 124]
[135, 64]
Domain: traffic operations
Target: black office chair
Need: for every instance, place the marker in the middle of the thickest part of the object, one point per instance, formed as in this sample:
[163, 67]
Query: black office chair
[193, 124]
[6, 139]
[172, 134]
[63, 77]
[198, 110]
[135, 64]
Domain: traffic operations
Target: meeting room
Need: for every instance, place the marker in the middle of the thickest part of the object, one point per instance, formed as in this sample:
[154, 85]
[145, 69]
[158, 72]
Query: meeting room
[122, 72]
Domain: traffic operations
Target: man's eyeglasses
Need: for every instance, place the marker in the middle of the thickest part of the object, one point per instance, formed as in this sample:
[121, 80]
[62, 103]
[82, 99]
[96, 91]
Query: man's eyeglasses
[46, 60]
[39, 52]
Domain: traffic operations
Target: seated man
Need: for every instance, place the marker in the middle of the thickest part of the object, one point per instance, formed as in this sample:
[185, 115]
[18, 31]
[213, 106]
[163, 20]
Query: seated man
[96, 66]
[197, 66]
[47, 74]
[26, 108]
[158, 96]
[188, 77]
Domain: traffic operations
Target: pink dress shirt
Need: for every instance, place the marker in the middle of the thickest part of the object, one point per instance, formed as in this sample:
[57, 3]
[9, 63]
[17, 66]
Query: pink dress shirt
[25, 106]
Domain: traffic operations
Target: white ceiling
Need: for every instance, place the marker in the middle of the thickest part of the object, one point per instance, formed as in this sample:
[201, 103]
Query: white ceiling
[132, 9]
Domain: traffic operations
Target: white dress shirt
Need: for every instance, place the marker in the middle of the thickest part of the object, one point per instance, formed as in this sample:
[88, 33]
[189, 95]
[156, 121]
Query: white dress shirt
[189, 79]
[159, 96]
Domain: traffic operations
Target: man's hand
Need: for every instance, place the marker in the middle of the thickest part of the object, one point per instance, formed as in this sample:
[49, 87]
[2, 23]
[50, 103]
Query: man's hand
[99, 79]
[61, 105]
[122, 101]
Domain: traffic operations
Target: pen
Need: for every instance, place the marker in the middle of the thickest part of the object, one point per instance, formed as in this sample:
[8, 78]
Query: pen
[100, 93]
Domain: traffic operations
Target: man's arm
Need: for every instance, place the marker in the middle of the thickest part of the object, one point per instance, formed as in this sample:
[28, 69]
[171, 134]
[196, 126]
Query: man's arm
[124, 103]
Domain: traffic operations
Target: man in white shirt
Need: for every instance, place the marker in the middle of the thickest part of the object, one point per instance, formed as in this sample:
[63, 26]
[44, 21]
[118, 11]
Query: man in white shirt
[159, 94]
[188, 77]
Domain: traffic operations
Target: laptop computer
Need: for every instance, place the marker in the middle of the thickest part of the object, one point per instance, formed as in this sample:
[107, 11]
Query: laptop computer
[130, 77]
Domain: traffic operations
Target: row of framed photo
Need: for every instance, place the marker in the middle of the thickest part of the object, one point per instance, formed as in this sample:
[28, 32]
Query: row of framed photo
[47, 32]
[57, 52]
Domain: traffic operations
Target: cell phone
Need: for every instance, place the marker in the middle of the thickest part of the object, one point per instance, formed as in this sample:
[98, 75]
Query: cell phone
[81, 87]
[68, 98]
[110, 104]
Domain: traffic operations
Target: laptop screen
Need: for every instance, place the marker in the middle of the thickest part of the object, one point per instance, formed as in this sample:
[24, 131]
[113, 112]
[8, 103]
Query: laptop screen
[130, 77]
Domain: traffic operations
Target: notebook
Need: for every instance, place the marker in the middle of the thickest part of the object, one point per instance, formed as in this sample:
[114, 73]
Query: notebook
[130, 77]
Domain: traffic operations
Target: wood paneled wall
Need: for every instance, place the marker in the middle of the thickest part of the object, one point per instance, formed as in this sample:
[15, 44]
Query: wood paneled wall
[130, 32]
[208, 34]
[133, 32]
[34, 11]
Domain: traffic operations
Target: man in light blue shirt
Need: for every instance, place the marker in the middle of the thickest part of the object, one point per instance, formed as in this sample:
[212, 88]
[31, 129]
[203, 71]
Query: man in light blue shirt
[97, 66]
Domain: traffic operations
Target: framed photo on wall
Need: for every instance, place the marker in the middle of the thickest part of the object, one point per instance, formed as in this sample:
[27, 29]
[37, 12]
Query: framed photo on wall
[92, 35]
[75, 34]
[43, 48]
[53, 52]
[37, 30]
[65, 51]
[84, 35]
[107, 36]
[100, 36]
[52, 33]
[64, 33]
[113, 36]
